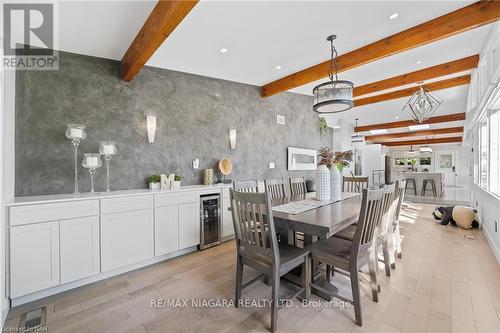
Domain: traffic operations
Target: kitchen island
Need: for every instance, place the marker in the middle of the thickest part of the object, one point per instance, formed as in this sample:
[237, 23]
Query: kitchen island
[419, 179]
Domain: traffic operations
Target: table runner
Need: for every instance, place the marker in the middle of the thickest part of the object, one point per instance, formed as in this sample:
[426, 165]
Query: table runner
[297, 207]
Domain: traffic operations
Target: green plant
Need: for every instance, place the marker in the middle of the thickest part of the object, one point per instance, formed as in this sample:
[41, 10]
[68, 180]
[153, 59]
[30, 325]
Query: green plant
[323, 127]
[177, 178]
[153, 179]
[339, 159]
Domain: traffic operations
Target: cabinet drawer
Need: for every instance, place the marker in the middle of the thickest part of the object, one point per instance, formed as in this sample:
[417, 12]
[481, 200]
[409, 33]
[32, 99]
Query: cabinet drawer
[125, 204]
[178, 198]
[51, 212]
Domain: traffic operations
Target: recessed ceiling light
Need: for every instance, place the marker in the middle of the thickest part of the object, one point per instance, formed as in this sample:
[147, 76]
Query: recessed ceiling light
[336, 126]
[393, 16]
[378, 131]
[278, 67]
[418, 127]
[397, 117]
[223, 50]
[419, 62]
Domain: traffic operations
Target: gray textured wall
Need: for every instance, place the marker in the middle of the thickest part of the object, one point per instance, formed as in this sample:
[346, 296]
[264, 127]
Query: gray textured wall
[194, 114]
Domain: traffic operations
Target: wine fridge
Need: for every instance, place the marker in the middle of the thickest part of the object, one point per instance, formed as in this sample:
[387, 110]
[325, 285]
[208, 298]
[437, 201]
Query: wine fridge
[210, 219]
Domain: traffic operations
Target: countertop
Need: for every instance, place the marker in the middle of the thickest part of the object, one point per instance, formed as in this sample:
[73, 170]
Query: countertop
[29, 200]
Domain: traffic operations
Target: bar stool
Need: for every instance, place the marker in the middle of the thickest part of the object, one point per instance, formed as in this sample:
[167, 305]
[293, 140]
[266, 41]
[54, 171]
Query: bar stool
[433, 187]
[413, 187]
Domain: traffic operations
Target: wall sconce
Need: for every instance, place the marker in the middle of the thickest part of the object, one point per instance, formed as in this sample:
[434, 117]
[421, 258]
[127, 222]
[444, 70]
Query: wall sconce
[232, 138]
[151, 126]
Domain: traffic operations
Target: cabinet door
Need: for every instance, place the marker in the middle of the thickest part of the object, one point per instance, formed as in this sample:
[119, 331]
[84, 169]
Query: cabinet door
[189, 225]
[166, 230]
[34, 257]
[79, 244]
[227, 219]
[126, 238]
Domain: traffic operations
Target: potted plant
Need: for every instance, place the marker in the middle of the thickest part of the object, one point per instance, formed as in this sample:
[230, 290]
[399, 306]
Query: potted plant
[176, 184]
[335, 162]
[153, 182]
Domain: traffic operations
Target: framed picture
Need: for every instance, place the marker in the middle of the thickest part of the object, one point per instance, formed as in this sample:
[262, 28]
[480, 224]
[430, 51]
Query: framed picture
[302, 158]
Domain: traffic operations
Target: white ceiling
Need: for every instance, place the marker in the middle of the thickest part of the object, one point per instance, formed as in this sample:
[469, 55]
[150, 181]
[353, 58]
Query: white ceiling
[263, 34]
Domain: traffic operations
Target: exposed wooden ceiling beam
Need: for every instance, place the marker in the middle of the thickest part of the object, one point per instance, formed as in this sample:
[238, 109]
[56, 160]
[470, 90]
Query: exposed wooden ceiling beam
[400, 135]
[452, 67]
[406, 123]
[421, 142]
[433, 86]
[162, 21]
[461, 20]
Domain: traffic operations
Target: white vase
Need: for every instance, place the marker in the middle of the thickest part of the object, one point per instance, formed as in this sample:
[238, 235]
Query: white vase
[322, 183]
[335, 181]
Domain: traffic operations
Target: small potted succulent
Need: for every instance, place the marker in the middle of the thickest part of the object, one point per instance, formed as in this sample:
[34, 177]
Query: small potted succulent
[176, 184]
[153, 182]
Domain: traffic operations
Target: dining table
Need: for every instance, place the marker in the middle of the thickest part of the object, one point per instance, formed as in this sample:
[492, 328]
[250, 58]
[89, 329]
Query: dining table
[318, 223]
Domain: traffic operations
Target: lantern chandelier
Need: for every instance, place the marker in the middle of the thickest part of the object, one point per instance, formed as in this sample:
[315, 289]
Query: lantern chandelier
[422, 105]
[335, 95]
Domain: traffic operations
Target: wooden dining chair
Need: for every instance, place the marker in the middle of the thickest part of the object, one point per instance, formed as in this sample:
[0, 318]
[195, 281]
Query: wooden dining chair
[246, 186]
[298, 185]
[275, 187]
[385, 231]
[400, 193]
[348, 257]
[354, 184]
[384, 237]
[257, 246]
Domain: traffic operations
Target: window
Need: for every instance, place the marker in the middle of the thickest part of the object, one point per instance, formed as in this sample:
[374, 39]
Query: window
[425, 161]
[411, 161]
[483, 154]
[446, 161]
[494, 175]
[399, 161]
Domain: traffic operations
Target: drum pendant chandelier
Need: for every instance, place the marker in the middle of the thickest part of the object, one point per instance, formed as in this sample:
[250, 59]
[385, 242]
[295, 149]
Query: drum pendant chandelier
[335, 95]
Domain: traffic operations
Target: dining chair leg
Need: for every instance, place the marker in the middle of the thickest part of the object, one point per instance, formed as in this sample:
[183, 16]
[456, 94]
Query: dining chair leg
[355, 295]
[387, 262]
[397, 241]
[239, 281]
[391, 250]
[275, 300]
[306, 277]
[372, 264]
[328, 273]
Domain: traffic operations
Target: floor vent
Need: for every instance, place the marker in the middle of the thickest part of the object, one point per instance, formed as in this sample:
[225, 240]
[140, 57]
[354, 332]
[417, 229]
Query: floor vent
[34, 320]
[470, 237]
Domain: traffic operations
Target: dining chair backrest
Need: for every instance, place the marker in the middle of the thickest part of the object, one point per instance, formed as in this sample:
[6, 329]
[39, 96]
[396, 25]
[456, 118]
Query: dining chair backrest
[298, 185]
[354, 184]
[400, 192]
[275, 187]
[254, 225]
[388, 208]
[369, 218]
[246, 186]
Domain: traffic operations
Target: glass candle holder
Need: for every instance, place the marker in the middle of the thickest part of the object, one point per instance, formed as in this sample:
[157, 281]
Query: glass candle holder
[76, 133]
[107, 149]
[92, 162]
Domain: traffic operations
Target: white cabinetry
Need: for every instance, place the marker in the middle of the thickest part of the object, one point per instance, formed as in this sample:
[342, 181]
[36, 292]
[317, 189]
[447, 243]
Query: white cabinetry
[189, 225]
[34, 257]
[177, 222]
[166, 230]
[227, 217]
[79, 248]
[126, 235]
[61, 243]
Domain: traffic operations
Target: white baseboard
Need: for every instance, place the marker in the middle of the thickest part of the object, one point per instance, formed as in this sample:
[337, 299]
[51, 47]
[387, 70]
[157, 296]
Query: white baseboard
[101, 276]
[494, 248]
